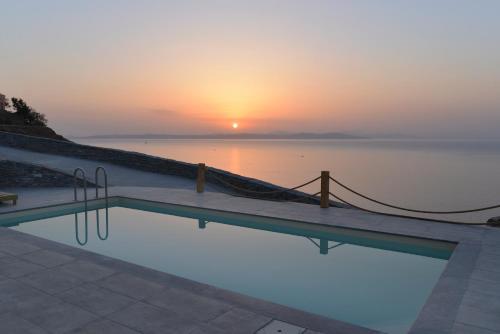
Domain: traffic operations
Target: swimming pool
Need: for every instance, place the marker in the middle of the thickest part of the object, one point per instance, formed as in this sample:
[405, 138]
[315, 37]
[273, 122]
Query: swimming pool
[375, 280]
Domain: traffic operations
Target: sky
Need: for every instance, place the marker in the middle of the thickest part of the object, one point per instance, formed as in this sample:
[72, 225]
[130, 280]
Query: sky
[417, 68]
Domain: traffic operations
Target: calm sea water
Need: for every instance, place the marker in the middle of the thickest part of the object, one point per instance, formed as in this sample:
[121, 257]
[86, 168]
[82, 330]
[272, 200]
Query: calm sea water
[422, 174]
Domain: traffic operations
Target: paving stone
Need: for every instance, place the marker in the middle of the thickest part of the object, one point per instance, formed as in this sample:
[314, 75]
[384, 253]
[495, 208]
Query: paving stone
[479, 318]
[12, 324]
[17, 297]
[491, 288]
[463, 260]
[8, 259]
[490, 262]
[189, 304]
[86, 271]
[59, 318]
[36, 303]
[433, 314]
[486, 275]
[438, 314]
[238, 321]
[237, 299]
[13, 267]
[104, 327]
[51, 281]
[95, 299]
[490, 249]
[150, 319]
[483, 301]
[284, 313]
[460, 328]
[15, 247]
[186, 284]
[280, 327]
[488, 253]
[207, 329]
[47, 258]
[130, 285]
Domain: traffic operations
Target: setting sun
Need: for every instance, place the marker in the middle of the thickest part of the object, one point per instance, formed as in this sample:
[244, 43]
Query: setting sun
[235, 125]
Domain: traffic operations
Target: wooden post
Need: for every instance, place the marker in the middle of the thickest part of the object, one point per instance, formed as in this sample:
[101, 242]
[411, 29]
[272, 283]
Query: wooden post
[325, 189]
[202, 223]
[200, 179]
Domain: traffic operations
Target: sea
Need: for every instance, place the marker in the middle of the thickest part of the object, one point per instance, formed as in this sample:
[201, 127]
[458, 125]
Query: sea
[443, 175]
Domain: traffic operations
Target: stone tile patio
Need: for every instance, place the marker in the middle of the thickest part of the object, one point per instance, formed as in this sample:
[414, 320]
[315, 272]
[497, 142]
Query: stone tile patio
[46, 287]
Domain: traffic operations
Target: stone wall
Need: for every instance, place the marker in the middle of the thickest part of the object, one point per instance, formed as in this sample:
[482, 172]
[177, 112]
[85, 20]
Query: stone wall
[149, 163]
[16, 174]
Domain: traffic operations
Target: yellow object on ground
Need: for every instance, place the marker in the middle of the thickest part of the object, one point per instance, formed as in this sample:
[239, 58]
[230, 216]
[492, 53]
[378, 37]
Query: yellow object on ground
[8, 197]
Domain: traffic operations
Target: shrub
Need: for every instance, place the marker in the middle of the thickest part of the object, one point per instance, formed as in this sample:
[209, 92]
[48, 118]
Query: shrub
[4, 102]
[28, 114]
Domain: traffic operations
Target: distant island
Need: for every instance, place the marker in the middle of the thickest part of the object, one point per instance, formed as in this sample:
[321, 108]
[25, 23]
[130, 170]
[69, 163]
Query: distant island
[280, 135]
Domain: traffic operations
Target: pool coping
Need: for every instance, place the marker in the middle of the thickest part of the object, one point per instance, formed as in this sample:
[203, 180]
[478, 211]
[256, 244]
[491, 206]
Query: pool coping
[449, 308]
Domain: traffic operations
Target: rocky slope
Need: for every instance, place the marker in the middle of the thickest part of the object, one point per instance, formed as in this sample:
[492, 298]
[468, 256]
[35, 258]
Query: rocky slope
[10, 122]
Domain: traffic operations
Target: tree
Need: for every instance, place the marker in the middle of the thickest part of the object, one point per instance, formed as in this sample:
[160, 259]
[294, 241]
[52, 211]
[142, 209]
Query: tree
[28, 114]
[21, 108]
[37, 118]
[4, 102]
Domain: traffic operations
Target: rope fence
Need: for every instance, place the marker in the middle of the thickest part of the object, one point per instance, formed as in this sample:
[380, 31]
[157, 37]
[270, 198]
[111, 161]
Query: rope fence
[324, 197]
[296, 196]
[413, 210]
[262, 192]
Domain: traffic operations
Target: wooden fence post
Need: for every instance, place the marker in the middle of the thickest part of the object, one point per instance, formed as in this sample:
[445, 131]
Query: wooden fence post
[202, 223]
[325, 189]
[200, 179]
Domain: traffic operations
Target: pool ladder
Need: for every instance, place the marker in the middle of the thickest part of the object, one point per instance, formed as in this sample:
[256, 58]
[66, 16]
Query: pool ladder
[76, 172]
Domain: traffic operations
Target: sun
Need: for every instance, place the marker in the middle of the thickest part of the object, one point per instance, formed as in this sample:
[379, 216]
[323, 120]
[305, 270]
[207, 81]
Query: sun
[235, 125]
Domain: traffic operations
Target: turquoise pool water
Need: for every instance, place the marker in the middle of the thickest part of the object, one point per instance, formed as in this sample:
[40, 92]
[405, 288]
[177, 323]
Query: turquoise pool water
[373, 280]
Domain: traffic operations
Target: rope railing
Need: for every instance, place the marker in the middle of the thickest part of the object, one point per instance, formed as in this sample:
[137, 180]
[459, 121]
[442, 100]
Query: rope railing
[299, 199]
[412, 210]
[249, 192]
[338, 198]
[292, 193]
[262, 192]
[325, 194]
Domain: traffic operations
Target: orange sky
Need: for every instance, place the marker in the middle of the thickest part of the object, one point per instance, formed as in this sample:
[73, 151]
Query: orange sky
[196, 67]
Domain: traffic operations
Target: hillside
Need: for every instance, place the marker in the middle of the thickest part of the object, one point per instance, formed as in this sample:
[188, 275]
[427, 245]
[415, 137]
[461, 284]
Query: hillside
[10, 122]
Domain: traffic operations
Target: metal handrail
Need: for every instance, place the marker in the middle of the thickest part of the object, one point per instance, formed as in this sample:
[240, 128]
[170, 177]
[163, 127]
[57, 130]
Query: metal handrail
[75, 185]
[97, 182]
[77, 230]
[106, 226]
[75, 198]
[100, 168]
[105, 237]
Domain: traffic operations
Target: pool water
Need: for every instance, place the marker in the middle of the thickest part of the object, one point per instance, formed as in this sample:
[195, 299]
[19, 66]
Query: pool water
[362, 278]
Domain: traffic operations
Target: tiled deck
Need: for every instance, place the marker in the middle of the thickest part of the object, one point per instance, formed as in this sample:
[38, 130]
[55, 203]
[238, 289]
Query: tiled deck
[57, 288]
[46, 287]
